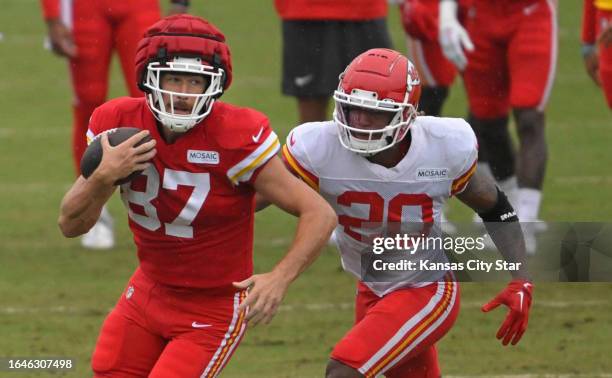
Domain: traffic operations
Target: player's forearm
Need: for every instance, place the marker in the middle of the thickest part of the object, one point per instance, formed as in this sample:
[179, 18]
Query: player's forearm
[508, 238]
[313, 231]
[81, 206]
[501, 222]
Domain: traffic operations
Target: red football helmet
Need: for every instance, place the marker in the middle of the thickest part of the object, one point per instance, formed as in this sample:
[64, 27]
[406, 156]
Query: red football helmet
[379, 80]
[189, 44]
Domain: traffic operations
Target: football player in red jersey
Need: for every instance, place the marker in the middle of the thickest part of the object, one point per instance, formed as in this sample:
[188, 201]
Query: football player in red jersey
[86, 33]
[508, 54]
[597, 43]
[366, 163]
[191, 211]
[420, 22]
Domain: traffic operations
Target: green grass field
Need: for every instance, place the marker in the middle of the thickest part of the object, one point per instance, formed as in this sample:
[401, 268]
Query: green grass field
[54, 295]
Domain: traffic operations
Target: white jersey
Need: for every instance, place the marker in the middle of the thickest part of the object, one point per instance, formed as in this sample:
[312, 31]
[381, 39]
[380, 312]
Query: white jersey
[439, 163]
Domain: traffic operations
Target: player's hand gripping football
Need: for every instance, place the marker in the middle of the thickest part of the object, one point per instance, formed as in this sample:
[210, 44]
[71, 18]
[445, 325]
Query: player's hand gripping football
[517, 296]
[120, 161]
[453, 38]
[265, 294]
[60, 38]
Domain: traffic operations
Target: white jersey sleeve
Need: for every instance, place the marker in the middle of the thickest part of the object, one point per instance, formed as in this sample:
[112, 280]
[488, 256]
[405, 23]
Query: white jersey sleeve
[467, 156]
[456, 140]
[298, 152]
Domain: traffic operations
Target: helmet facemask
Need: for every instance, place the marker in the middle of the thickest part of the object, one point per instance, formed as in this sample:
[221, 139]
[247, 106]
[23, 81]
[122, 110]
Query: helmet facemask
[376, 140]
[166, 114]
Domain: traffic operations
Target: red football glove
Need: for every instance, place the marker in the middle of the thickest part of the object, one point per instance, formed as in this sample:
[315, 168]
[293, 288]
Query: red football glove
[517, 296]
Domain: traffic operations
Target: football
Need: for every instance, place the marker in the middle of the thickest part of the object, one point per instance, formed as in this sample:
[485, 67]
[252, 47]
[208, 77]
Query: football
[93, 154]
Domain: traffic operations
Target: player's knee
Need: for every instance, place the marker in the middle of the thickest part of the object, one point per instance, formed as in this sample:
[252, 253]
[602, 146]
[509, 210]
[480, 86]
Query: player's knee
[336, 369]
[491, 131]
[432, 99]
[529, 123]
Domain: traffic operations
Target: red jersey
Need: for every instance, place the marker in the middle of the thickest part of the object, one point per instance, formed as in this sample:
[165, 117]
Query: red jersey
[589, 18]
[50, 8]
[344, 10]
[192, 211]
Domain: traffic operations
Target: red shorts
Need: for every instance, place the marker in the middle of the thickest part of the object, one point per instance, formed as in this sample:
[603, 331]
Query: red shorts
[604, 21]
[395, 335]
[159, 331]
[434, 69]
[513, 63]
[420, 18]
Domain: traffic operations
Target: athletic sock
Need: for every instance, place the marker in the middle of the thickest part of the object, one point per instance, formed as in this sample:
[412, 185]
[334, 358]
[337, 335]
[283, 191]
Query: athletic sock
[528, 206]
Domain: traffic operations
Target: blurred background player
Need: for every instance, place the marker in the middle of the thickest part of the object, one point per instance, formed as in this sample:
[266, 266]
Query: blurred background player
[320, 38]
[191, 211]
[86, 33]
[508, 52]
[597, 43]
[420, 22]
[365, 164]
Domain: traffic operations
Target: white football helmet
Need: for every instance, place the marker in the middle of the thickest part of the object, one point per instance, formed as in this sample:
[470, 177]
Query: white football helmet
[203, 102]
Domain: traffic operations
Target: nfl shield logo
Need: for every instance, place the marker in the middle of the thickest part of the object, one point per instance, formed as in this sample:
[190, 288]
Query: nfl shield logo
[129, 292]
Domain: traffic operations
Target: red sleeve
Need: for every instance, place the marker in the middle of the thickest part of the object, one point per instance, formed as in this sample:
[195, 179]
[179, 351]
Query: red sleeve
[258, 145]
[103, 118]
[50, 8]
[588, 22]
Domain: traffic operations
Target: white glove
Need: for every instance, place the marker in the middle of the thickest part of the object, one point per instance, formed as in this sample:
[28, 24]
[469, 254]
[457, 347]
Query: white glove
[452, 36]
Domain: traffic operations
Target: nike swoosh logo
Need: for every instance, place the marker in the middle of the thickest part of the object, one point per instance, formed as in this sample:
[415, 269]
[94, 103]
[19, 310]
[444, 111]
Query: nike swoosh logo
[200, 325]
[530, 9]
[300, 81]
[256, 137]
[527, 285]
[291, 140]
[520, 293]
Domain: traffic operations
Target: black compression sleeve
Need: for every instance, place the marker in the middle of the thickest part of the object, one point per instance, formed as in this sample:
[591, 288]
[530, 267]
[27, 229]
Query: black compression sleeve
[501, 212]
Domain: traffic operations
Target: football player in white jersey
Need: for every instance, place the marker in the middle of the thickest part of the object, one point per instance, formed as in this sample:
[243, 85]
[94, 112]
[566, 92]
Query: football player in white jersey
[378, 162]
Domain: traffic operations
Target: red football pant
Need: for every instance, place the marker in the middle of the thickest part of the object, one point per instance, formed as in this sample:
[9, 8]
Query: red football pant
[604, 20]
[425, 51]
[98, 28]
[163, 332]
[395, 335]
[513, 64]
[434, 69]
